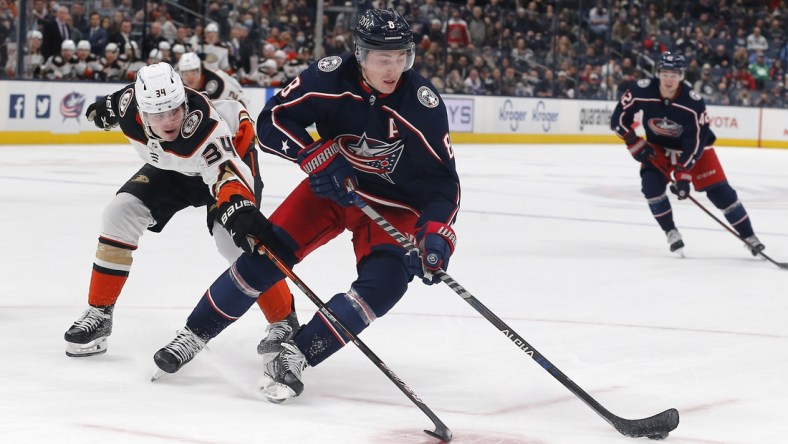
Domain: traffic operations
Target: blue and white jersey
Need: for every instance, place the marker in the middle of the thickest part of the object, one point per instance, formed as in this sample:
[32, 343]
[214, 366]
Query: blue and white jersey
[679, 124]
[398, 143]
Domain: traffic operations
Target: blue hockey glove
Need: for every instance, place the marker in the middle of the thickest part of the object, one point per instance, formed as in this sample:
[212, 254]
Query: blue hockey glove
[436, 242]
[101, 114]
[681, 186]
[329, 171]
[638, 147]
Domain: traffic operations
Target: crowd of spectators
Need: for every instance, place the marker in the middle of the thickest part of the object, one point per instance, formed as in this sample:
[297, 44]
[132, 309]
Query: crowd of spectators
[737, 49]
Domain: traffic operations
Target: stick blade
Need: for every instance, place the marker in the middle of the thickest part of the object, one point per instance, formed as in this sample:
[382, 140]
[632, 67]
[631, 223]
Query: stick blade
[441, 434]
[655, 427]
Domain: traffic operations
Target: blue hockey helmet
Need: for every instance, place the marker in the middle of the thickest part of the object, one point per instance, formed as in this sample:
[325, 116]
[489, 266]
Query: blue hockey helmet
[383, 29]
[672, 62]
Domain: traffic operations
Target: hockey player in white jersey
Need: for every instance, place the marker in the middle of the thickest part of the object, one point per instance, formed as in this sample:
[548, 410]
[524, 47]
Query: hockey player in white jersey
[196, 154]
[217, 85]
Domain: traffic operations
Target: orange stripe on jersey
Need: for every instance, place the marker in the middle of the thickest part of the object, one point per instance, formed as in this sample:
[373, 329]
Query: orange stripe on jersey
[276, 303]
[231, 189]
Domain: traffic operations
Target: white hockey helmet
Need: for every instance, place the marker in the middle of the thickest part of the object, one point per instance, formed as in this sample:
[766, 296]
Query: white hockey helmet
[158, 89]
[68, 45]
[83, 44]
[189, 61]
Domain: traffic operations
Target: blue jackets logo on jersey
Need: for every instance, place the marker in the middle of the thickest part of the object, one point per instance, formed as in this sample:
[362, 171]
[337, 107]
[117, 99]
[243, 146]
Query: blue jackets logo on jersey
[427, 97]
[370, 155]
[665, 127]
[329, 64]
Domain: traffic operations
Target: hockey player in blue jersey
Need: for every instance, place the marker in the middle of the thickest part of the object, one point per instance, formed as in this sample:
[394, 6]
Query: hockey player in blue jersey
[677, 149]
[383, 128]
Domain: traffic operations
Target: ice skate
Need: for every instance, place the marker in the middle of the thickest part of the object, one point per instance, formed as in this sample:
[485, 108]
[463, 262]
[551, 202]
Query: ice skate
[754, 245]
[282, 375]
[88, 335]
[675, 242]
[177, 353]
[278, 332]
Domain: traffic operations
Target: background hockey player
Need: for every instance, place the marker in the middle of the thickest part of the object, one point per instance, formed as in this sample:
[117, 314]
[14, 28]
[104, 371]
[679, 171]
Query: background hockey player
[383, 127]
[677, 147]
[61, 66]
[217, 85]
[194, 155]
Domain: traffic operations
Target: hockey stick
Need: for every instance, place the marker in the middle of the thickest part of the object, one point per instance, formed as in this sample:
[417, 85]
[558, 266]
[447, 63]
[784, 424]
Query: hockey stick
[654, 427]
[782, 265]
[441, 431]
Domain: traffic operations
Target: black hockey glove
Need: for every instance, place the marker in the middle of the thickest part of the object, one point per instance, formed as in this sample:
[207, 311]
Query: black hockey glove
[329, 171]
[101, 114]
[638, 147]
[245, 223]
[436, 243]
[681, 186]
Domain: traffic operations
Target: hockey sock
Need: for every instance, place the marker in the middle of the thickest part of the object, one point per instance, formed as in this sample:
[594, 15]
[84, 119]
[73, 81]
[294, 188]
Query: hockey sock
[225, 301]
[110, 271]
[277, 302]
[381, 282]
[663, 213]
[319, 339]
[725, 198]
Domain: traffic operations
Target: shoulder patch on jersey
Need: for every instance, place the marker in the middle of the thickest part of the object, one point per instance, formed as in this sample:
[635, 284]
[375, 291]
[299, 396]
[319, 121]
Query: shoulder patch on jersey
[694, 95]
[211, 86]
[427, 97]
[125, 101]
[328, 64]
[644, 83]
[191, 123]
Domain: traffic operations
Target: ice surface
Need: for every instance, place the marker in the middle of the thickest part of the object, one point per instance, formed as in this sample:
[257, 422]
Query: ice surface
[555, 240]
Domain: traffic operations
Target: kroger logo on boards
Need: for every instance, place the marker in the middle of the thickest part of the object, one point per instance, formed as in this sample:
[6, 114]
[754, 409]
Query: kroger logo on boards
[547, 118]
[507, 113]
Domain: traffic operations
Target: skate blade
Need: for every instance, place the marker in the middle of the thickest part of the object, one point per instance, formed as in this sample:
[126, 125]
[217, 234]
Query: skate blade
[92, 348]
[275, 392]
[158, 374]
[679, 252]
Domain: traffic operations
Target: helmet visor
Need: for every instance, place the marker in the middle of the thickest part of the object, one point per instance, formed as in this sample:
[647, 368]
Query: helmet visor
[383, 61]
[166, 124]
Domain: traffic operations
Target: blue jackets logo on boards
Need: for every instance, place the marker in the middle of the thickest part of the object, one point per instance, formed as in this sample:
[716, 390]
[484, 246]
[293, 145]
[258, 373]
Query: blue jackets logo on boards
[16, 106]
[71, 105]
[43, 105]
[507, 113]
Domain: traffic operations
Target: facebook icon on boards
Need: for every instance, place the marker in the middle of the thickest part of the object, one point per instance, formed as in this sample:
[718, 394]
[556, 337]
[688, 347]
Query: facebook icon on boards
[16, 106]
